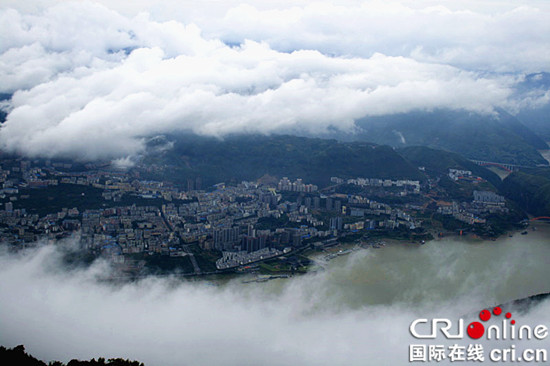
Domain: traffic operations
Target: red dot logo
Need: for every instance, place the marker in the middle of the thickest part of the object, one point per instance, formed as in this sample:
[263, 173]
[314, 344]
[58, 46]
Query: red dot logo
[508, 315]
[484, 315]
[497, 311]
[475, 330]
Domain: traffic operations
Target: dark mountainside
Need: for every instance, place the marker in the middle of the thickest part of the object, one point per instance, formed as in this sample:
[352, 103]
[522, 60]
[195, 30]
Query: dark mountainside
[530, 189]
[502, 138]
[249, 157]
[537, 118]
[439, 162]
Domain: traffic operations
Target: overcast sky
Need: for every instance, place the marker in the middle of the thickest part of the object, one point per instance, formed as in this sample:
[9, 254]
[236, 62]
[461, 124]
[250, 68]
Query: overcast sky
[92, 80]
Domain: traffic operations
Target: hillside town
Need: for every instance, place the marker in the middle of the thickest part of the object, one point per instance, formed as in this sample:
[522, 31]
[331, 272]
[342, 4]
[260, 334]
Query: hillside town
[116, 214]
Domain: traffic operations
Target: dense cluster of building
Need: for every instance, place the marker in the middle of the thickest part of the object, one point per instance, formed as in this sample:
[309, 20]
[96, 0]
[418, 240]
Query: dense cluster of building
[297, 186]
[456, 174]
[405, 186]
[245, 222]
[484, 202]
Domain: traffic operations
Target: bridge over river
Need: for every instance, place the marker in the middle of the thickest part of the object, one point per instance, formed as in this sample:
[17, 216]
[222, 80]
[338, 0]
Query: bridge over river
[506, 166]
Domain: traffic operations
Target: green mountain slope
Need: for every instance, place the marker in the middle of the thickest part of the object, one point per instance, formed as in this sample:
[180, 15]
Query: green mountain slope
[249, 157]
[535, 116]
[531, 190]
[439, 162]
[499, 138]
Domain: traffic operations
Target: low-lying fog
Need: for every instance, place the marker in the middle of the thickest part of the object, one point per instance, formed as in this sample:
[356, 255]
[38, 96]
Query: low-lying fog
[357, 312]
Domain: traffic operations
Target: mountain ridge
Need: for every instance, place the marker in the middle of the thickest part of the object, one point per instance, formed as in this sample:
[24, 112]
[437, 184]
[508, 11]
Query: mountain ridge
[500, 137]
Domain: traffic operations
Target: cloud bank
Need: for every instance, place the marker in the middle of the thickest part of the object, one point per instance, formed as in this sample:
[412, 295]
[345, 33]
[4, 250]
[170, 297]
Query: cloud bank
[93, 82]
[355, 313]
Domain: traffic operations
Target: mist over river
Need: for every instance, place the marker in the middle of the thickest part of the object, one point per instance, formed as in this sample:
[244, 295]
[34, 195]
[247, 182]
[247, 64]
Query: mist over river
[445, 270]
[356, 312]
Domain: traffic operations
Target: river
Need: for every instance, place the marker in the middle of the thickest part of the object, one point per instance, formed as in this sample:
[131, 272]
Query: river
[441, 271]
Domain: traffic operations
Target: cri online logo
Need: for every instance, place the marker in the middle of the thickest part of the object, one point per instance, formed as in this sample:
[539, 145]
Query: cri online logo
[475, 330]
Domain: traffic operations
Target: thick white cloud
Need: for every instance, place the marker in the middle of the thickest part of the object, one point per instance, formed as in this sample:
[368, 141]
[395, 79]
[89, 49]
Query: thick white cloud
[502, 40]
[92, 83]
[491, 35]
